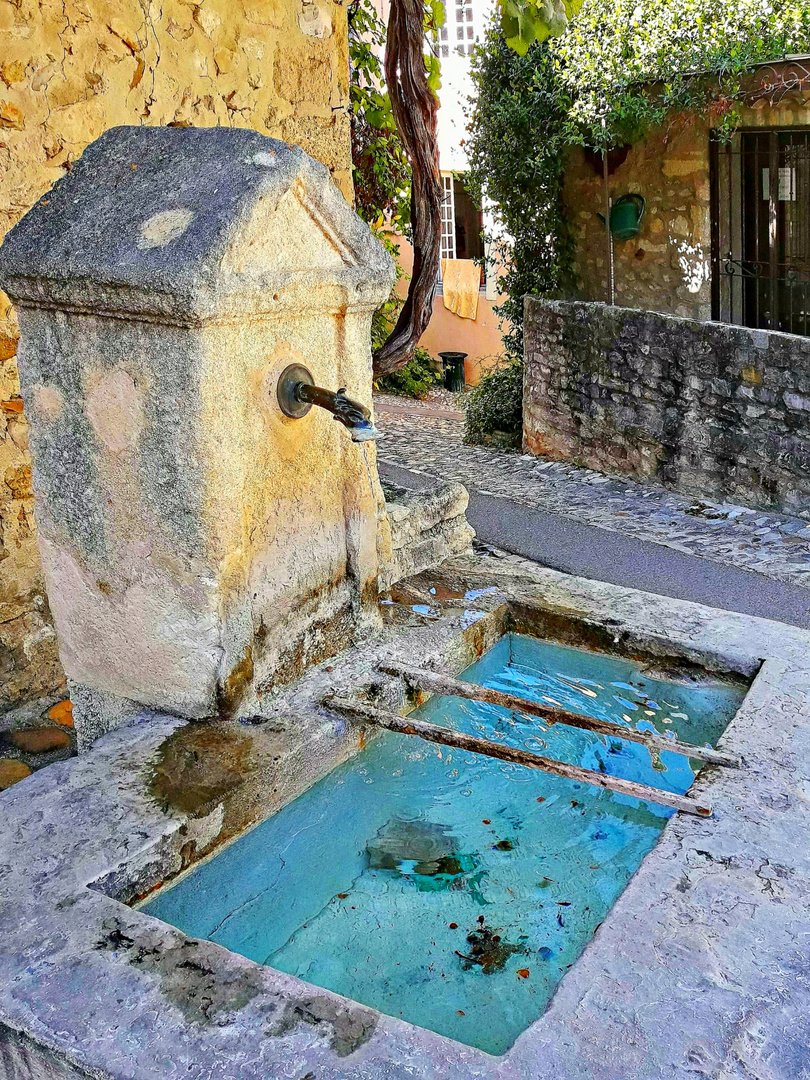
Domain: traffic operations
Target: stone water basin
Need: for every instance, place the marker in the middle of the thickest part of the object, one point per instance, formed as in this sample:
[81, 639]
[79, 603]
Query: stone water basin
[698, 966]
[449, 889]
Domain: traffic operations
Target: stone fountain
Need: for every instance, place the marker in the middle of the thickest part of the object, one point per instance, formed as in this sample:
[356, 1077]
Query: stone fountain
[202, 542]
[194, 304]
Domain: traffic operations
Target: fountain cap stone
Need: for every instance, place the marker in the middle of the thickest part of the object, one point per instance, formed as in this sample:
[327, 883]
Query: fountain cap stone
[240, 219]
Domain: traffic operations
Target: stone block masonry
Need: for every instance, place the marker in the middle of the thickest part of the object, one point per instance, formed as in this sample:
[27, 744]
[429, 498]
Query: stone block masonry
[426, 528]
[705, 408]
[667, 266]
[70, 69]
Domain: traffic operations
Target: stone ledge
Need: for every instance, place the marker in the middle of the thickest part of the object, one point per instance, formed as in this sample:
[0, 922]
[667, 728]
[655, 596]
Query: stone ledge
[426, 528]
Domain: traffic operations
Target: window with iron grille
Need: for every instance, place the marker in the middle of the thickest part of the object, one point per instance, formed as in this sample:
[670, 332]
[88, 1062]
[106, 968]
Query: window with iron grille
[448, 220]
[760, 208]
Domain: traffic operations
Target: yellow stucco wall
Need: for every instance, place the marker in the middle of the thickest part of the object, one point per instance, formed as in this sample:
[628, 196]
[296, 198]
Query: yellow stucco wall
[70, 70]
[667, 266]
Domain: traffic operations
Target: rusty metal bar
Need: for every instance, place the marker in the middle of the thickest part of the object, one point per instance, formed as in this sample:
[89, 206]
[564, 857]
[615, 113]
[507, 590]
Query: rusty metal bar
[405, 725]
[773, 231]
[443, 684]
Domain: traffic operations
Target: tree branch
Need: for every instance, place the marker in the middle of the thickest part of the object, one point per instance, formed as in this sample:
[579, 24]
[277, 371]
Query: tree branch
[415, 109]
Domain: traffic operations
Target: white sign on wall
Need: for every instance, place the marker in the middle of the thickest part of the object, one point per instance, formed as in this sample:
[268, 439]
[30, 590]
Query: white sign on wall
[787, 184]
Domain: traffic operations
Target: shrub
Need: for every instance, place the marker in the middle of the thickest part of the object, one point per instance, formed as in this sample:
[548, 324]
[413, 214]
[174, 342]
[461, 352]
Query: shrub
[517, 141]
[416, 379]
[494, 409]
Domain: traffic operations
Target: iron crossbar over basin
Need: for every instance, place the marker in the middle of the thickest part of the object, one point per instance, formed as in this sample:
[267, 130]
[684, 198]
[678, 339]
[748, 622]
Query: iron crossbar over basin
[406, 725]
[444, 684]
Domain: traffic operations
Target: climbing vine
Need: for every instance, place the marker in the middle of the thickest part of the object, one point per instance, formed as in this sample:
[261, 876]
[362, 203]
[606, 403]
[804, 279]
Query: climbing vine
[380, 167]
[518, 135]
[396, 154]
[630, 64]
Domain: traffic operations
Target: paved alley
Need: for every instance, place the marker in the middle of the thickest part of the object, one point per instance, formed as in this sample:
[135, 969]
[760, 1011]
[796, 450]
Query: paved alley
[609, 529]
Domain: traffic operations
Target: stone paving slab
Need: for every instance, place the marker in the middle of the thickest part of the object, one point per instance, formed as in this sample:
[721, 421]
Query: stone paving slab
[439, 411]
[772, 544]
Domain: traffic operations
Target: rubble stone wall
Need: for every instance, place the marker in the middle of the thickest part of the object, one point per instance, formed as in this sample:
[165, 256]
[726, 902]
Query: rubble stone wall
[70, 69]
[705, 408]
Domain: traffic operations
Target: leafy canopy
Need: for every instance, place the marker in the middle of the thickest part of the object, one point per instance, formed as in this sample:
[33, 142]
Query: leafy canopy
[525, 22]
[380, 168]
[631, 62]
[664, 32]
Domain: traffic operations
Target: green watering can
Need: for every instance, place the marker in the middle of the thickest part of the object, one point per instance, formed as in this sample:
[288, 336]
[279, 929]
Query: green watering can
[625, 217]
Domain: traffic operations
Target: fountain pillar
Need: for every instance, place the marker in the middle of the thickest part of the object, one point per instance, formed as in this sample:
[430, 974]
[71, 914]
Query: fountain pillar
[200, 547]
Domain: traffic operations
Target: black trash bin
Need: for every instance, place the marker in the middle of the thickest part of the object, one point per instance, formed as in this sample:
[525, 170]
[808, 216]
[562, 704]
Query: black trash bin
[453, 364]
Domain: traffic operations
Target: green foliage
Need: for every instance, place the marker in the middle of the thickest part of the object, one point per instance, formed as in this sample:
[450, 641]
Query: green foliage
[434, 18]
[620, 68]
[416, 379]
[627, 64]
[525, 22]
[385, 317]
[493, 410]
[519, 131]
[380, 168]
[645, 35]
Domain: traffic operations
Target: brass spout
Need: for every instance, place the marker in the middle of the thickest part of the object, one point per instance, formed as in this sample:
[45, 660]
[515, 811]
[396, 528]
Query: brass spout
[297, 393]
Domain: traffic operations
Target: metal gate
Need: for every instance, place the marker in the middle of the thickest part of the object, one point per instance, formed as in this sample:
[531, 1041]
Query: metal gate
[760, 209]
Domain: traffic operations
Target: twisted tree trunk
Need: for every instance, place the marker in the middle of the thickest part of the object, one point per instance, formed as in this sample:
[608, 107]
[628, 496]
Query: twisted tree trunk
[415, 109]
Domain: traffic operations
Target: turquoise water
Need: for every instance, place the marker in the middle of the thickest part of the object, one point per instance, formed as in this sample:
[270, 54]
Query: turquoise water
[449, 889]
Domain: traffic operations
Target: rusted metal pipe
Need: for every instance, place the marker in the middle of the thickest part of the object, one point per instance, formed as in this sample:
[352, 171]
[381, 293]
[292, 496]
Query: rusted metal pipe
[443, 684]
[297, 393]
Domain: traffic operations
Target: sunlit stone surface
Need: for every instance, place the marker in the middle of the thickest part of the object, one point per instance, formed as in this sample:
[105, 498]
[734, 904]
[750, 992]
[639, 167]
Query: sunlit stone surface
[453, 890]
[696, 963]
[199, 546]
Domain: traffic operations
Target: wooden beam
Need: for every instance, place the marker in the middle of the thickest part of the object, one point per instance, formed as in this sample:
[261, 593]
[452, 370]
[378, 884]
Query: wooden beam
[406, 725]
[447, 686]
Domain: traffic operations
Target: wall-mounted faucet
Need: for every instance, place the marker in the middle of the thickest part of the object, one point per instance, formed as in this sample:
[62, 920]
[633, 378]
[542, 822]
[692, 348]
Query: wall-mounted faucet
[297, 393]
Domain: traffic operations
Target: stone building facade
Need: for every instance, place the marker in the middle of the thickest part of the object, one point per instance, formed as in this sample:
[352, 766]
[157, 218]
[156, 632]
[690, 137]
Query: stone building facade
[70, 70]
[667, 266]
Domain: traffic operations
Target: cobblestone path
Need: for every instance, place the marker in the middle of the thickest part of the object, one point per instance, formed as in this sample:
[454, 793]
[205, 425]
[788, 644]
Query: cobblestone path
[429, 440]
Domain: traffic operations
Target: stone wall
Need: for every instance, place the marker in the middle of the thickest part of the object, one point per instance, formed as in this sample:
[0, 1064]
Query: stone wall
[706, 408]
[70, 69]
[667, 266]
[427, 527]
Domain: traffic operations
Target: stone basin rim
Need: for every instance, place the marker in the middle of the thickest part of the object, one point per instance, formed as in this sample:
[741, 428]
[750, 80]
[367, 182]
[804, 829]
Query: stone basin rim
[52, 897]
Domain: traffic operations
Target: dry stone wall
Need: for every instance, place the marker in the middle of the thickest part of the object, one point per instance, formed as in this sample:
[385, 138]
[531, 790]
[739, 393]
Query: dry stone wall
[70, 69]
[706, 408]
